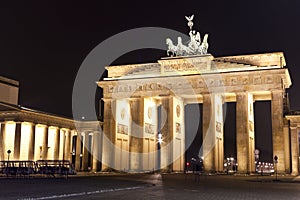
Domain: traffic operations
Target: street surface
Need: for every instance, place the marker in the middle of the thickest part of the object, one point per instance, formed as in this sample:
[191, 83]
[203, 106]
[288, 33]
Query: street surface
[151, 186]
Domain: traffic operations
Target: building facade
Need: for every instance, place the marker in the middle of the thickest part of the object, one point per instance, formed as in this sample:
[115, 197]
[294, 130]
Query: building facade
[27, 134]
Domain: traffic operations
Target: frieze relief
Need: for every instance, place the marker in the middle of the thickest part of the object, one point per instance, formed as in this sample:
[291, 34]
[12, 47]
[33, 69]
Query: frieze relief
[245, 80]
[233, 81]
[269, 79]
[257, 80]
[197, 82]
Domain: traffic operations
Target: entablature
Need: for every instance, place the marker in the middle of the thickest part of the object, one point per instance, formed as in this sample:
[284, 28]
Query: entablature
[196, 64]
[36, 118]
[230, 82]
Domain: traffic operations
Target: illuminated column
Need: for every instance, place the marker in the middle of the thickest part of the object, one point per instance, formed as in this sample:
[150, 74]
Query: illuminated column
[277, 130]
[167, 133]
[26, 141]
[67, 147]
[85, 153]
[109, 133]
[17, 142]
[45, 143]
[245, 132]
[56, 143]
[2, 141]
[136, 136]
[96, 151]
[218, 128]
[62, 143]
[286, 134]
[208, 134]
[213, 141]
[294, 150]
[73, 134]
[78, 153]
[178, 135]
[9, 139]
[150, 134]
[31, 142]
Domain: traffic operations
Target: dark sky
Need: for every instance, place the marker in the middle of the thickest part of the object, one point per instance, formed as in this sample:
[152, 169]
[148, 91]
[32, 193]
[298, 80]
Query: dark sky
[43, 43]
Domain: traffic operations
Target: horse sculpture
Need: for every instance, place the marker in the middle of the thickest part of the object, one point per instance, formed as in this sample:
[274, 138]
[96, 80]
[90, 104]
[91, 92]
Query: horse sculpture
[171, 47]
[204, 45]
[194, 47]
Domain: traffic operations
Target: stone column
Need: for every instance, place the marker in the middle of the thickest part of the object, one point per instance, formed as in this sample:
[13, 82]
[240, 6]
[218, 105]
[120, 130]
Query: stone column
[17, 142]
[218, 124]
[45, 143]
[277, 130]
[2, 143]
[67, 147]
[286, 134]
[167, 133]
[78, 152]
[56, 143]
[109, 134]
[208, 135]
[2, 148]
[96, 151]
[213, 142]
[245, 133]
[31, 142]
[136, 136]
[294, 151]
[86, 151]
[73, 147]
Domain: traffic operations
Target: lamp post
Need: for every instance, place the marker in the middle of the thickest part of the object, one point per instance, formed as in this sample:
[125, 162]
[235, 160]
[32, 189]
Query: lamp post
[8, 153]
[276, 161]
[80, 160]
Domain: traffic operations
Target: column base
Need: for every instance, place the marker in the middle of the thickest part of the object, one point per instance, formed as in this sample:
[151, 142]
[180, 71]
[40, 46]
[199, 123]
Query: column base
[295, 173]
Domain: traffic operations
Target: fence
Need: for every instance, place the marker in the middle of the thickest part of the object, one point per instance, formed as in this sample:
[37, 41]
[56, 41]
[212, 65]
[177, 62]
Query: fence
[43, 167]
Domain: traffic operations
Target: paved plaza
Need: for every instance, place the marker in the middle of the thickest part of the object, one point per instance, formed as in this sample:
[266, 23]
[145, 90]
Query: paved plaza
[151, 186]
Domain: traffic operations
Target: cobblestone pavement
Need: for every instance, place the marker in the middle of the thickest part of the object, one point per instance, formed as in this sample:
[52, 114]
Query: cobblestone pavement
[147, 186]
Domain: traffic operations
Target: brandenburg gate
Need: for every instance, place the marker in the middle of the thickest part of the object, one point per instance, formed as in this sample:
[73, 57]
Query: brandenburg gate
[144, 127]
[135, 94]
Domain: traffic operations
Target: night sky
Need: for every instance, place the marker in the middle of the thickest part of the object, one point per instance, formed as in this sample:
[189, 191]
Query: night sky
[43, 43]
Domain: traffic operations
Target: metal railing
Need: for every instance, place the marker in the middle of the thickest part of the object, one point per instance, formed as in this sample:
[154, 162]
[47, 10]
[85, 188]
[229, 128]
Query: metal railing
[42, 167]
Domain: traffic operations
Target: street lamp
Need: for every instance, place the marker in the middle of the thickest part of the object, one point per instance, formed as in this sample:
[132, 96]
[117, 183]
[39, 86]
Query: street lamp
[8, 153]
[160, 139]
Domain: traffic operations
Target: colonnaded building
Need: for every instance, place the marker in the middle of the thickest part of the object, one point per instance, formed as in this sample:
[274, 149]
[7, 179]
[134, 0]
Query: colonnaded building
[33, 135]
[144, 126]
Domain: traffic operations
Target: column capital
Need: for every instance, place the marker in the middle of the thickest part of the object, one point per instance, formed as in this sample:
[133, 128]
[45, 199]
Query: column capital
[42, 125]
[54, 127]
[239, 95]
[160, 98]
[135, 98]
[31, 123]
[277, 93]
[106, 100]
[65, 129]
